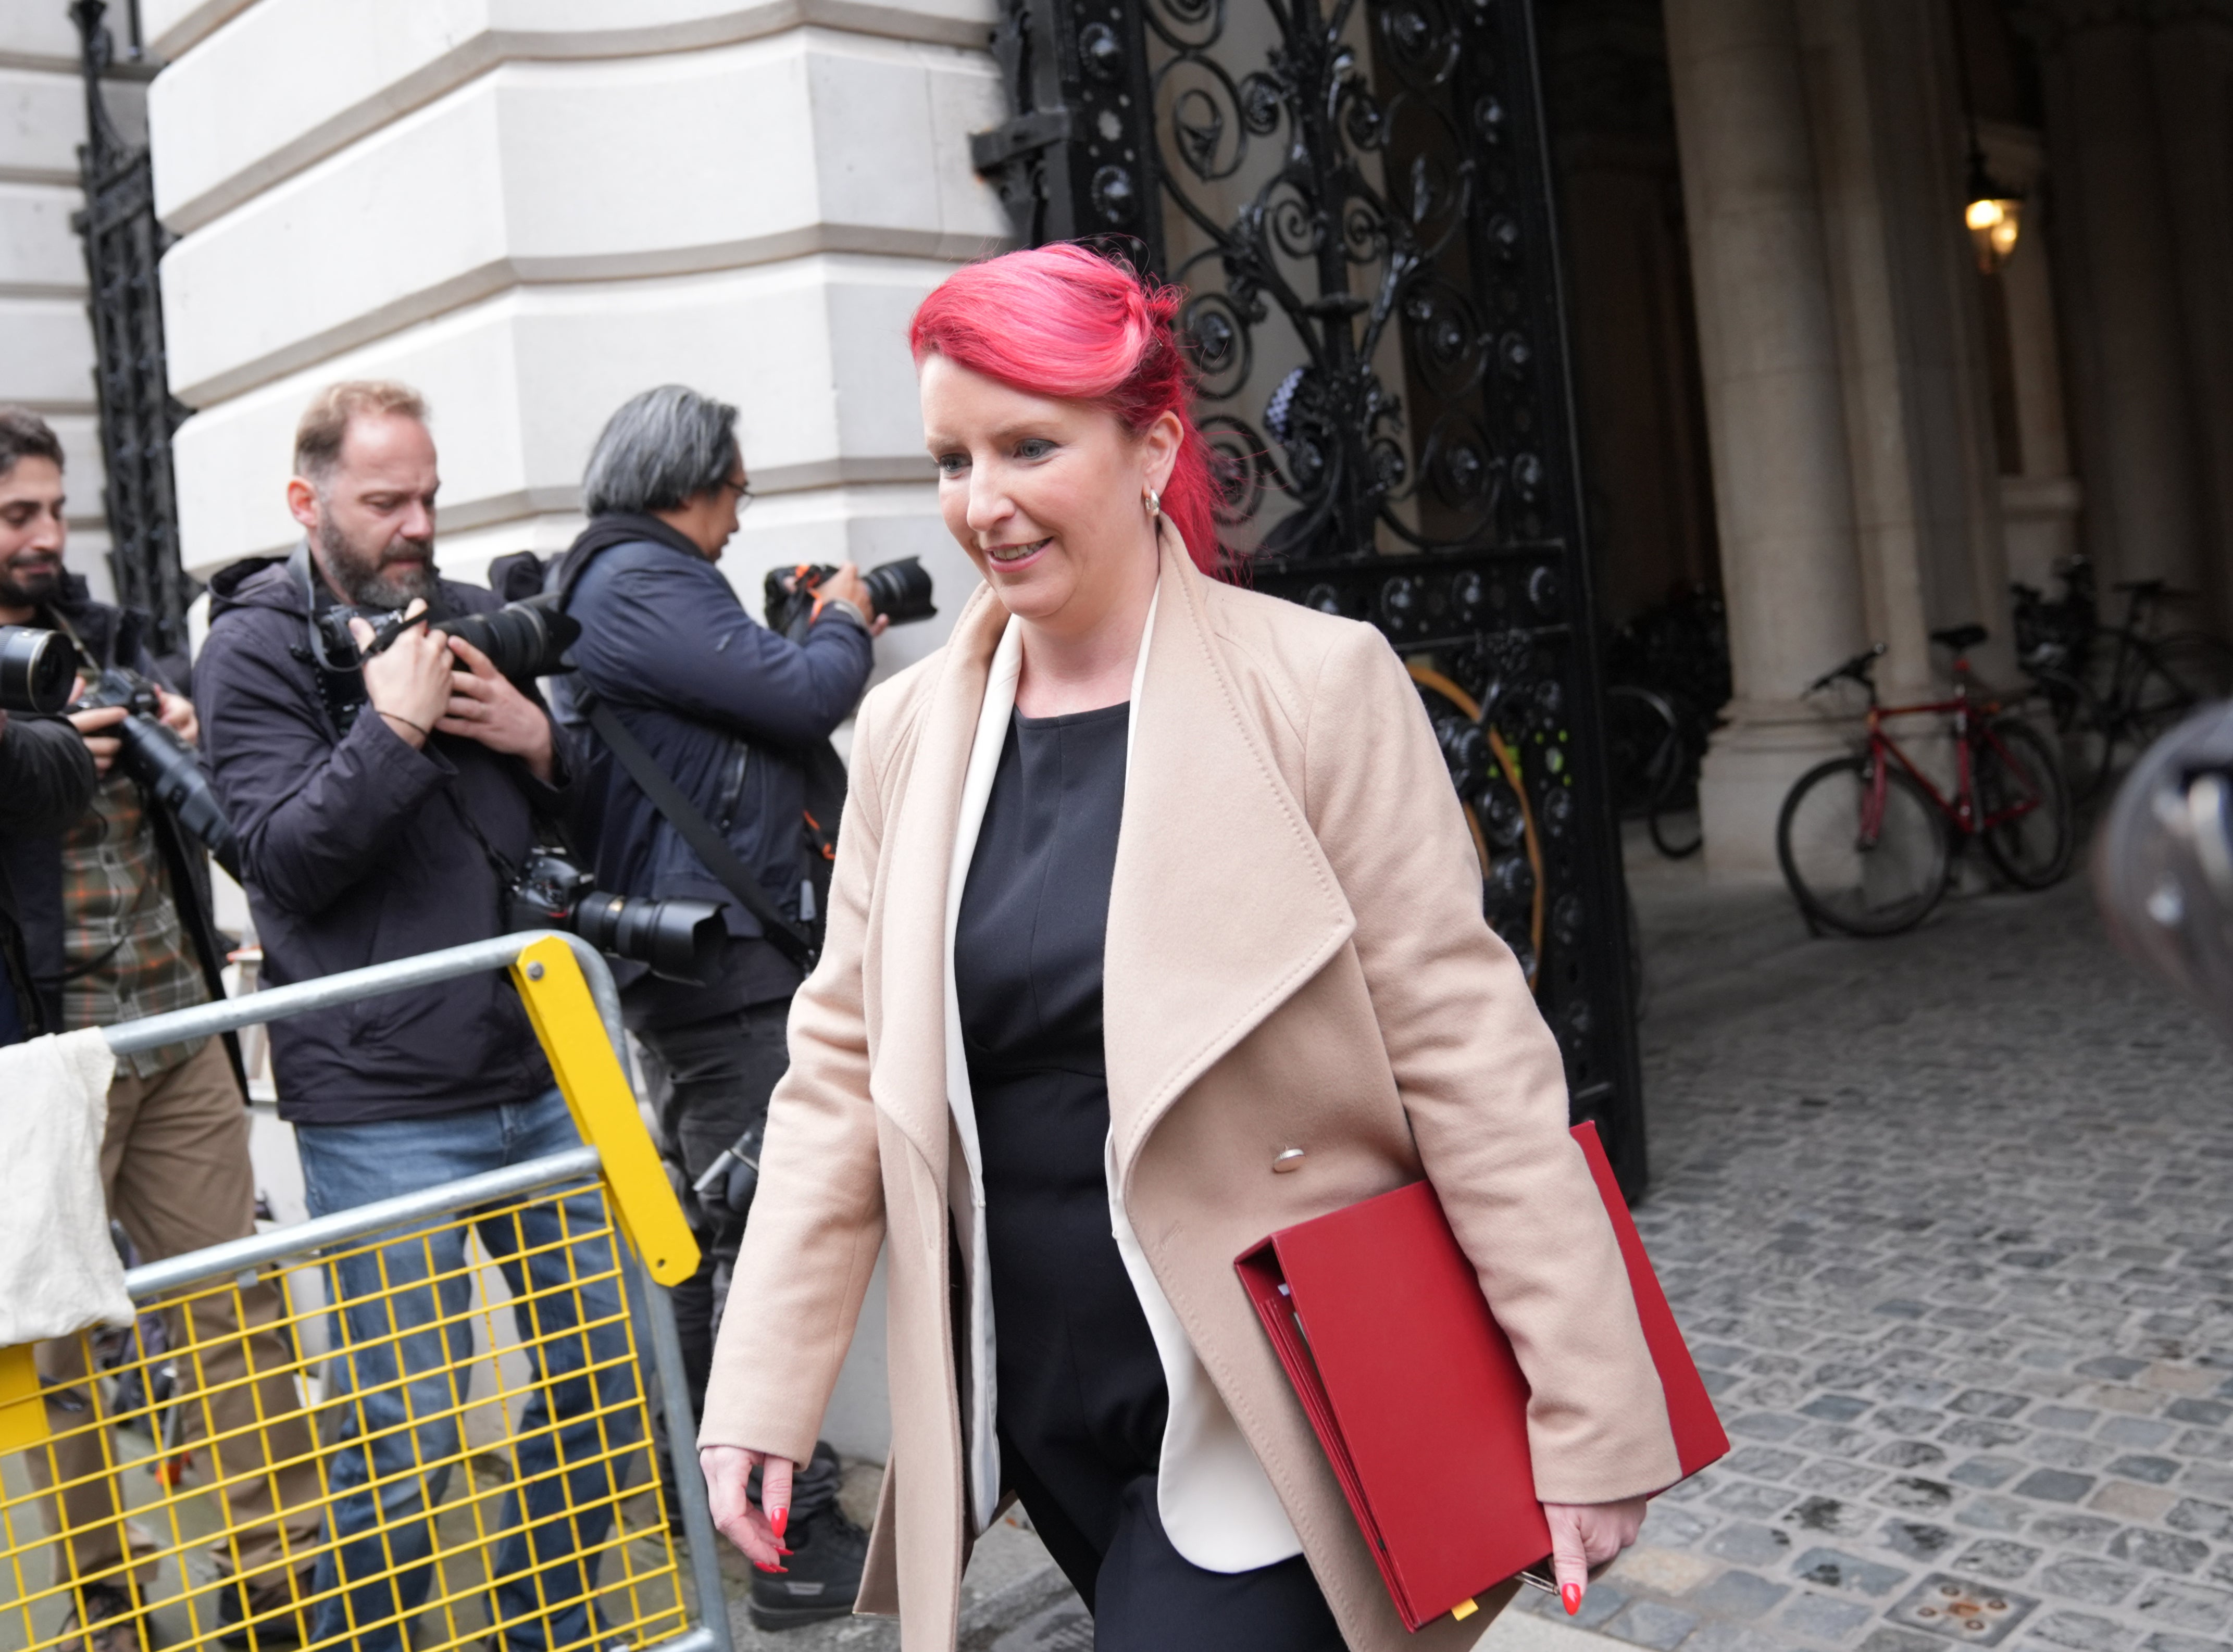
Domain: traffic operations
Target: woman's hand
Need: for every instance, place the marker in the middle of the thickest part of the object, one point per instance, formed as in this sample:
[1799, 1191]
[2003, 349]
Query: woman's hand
[759, 1536]
[1584, 1536]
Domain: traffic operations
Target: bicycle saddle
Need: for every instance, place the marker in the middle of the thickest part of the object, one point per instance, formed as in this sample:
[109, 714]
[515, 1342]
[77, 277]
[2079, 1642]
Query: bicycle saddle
[1960, 638]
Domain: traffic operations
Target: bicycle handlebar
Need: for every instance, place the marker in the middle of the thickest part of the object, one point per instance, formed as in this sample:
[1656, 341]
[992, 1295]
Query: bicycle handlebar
[1859, 668]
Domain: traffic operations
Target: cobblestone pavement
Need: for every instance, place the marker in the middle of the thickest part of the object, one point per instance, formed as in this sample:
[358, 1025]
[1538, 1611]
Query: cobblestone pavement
[1946, 1219]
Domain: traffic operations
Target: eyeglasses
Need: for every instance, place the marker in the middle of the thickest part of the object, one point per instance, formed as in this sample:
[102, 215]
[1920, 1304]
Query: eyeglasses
[742, 489]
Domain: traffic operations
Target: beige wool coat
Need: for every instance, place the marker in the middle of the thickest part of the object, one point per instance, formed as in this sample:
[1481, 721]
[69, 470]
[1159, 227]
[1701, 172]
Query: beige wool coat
[1296, 959]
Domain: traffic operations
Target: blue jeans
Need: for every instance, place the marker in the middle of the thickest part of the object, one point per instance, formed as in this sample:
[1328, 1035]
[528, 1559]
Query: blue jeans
[405, 1347]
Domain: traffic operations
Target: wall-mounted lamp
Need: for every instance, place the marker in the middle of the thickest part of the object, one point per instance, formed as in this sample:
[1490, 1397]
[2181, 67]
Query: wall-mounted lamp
[1996, 218]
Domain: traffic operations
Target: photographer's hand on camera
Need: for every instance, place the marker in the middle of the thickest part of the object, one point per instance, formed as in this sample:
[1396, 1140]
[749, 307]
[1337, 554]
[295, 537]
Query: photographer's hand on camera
[483, 705]
[847, 586]
[407, 683]
[90, 724]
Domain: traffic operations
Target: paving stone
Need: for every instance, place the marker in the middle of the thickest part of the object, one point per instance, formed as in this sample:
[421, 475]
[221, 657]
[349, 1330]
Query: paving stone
[1907, 1454]
[1997, 1558]
[1982, 1431]
[1983, 1402]
[2072, 1531]
[1748, 1545]
[2070, 1419]
[2165, 1640]
[2151, 1471]
[1766, 1462]
[2054, 1485]
[2186, 1606]
[2207, 1413]
[1751, 1500]
[1844, 1408]
[1715, 1636]
[2137, 1431]
[1912, 1492]
[2093, 1581]
[1893, 1640]
[1652, 1623]
[1741, 1594]
[1994, 1514]
[2081, 1631]
[1914, 1540]
[1988, 1472]
[2133, 1502]
[2159, 1551]
[1765, 1425]
[1669, 1527]
[1833, 1569]
[1825, 1617]
[1602, 1600]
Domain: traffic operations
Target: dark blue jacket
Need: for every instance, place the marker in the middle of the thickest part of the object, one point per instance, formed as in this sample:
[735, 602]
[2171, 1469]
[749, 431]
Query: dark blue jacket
[723, 704]
[357, 849]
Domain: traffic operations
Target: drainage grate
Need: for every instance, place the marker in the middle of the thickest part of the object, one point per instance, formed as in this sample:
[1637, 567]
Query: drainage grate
[1974, 1614]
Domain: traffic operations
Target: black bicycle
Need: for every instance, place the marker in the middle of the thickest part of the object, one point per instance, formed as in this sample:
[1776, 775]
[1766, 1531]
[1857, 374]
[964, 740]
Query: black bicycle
[2112, 691]
[1652, 751]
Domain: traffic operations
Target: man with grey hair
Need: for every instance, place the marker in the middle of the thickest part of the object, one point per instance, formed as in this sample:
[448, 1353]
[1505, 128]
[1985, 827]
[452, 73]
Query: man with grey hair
[731, 713]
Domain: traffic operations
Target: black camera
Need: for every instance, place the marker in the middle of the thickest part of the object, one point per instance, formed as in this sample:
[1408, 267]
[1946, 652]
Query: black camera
[898, 591]
[680, 939]
[163, 763]
[522, 641]
[38, 670]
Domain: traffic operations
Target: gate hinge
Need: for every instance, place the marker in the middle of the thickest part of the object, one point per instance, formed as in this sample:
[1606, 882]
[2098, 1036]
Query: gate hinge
[1025, 133]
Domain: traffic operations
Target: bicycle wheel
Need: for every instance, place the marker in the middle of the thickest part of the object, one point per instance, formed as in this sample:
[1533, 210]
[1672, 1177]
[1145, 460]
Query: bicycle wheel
[1863, 875]
[2081, 729]
[2024, 804]
[2158, 697]
[1642, 749]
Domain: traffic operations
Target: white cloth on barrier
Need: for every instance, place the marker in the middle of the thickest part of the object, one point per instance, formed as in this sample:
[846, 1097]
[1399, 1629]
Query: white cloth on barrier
[58, 1268]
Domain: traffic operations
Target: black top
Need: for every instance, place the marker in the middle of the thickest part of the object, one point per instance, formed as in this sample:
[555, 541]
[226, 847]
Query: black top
[1081, 1388]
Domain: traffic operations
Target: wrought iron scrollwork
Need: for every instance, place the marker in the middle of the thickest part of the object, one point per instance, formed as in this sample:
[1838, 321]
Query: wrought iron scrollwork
[1354, 195]
[124, 243]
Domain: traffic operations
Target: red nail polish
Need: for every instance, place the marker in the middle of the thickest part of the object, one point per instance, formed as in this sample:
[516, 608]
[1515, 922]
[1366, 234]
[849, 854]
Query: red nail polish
[1572, 1593]
[777, 1520]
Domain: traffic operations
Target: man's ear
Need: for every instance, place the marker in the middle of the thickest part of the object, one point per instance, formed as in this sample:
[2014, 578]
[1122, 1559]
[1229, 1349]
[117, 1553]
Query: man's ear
[303, 502]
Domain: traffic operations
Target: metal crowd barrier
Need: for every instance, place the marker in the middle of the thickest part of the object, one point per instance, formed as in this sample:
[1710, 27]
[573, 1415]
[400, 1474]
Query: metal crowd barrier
[332, 1434]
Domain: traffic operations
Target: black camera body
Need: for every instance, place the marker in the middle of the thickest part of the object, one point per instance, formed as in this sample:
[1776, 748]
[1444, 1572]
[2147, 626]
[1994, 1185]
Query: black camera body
[679, 939]
[898, 591]
[522, 641]
[38, 670]
[163, 763]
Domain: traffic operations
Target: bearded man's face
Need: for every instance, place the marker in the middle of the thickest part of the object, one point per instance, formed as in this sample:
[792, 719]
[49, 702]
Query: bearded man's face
[374, 534]
[32, 532]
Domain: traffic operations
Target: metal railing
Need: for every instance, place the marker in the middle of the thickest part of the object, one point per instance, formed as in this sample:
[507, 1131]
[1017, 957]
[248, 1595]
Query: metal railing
[331, 1433]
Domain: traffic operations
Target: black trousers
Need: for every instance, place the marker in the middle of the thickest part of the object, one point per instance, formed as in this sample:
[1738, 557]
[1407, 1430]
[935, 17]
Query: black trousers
[1082, 1401]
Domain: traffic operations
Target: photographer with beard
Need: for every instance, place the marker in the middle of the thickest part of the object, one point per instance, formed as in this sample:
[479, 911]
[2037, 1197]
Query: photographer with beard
[109, 905]
[382, 809]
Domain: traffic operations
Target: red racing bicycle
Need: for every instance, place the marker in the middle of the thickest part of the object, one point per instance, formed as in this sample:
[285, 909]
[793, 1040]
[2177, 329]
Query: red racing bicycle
[1867, 841]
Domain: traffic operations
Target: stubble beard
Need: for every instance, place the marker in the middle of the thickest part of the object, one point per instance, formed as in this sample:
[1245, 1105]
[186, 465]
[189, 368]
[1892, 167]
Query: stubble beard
[29, 589]
[365, 580]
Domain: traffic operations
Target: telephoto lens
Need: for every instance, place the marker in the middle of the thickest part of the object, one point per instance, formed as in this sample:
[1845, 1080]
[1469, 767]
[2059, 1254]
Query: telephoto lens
[523, 640]
[680, 939]
[165, 764]
[901, 591]
[38, 670]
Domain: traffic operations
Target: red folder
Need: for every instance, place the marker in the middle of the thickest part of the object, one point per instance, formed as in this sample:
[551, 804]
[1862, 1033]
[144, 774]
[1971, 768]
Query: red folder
[1413, 1391]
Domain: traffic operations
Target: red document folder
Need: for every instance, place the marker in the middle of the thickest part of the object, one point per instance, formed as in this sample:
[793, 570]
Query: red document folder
[1413, 1391]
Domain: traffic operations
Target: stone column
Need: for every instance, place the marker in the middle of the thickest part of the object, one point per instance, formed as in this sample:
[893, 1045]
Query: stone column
[2192, 53]
[1768, 344]
[2142, 489]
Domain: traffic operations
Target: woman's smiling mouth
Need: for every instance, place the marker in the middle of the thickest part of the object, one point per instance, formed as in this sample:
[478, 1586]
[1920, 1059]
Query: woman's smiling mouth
[1009, 555]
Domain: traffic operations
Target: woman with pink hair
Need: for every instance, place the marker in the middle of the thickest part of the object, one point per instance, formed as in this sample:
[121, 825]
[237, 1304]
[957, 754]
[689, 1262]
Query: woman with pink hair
[1155, 926]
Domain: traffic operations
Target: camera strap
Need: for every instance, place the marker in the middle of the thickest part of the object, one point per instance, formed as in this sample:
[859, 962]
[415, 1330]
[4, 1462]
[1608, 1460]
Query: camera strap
[708, 845]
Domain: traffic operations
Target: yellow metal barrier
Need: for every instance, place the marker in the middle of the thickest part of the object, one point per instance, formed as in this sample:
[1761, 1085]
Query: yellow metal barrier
[432, 1433]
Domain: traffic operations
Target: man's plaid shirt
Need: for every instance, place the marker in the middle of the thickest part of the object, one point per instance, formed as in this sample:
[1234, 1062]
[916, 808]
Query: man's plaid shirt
[124, 948]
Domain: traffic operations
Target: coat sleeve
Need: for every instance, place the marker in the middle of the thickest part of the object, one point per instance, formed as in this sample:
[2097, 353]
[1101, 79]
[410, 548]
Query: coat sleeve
[1481, 1082]
[313, 816]
[675, 637]
[818, 1220]
[45, 776]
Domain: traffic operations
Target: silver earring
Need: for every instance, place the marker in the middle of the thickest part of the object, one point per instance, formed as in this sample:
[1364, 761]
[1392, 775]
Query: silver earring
[1154, 504]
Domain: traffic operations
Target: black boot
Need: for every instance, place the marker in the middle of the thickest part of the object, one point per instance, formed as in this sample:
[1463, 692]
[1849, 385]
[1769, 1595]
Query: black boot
[822, 1574]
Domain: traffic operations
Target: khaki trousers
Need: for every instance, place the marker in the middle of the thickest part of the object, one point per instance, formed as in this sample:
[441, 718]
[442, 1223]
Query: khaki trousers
[174, 1165]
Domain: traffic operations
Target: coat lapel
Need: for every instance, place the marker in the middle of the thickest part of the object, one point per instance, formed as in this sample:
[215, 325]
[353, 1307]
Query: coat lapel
[1222, 904]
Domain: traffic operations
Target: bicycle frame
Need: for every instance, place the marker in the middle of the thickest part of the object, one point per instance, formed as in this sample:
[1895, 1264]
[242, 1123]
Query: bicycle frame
[1970, 732]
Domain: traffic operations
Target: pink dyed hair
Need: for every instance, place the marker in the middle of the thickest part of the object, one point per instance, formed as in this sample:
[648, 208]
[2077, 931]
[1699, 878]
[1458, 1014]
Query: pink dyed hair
[1061, 320]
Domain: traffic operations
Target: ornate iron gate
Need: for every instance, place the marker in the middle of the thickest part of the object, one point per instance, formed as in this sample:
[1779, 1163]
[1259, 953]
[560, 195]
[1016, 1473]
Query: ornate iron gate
[1356, 197]
[123, 244]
